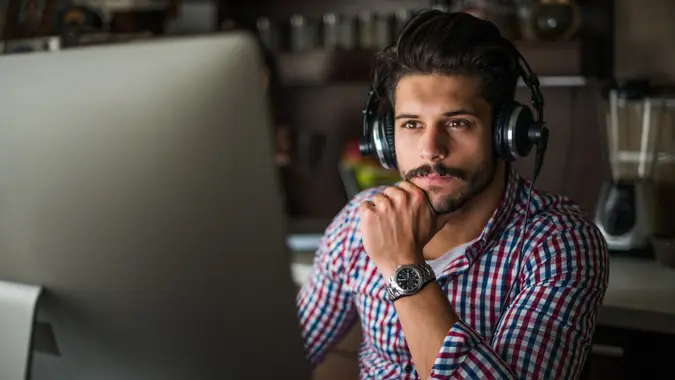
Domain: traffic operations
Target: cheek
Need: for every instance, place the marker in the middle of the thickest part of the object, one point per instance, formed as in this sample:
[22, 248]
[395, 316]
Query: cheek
[478, 153]
[406, 151]
[487, 147]
[479, 144]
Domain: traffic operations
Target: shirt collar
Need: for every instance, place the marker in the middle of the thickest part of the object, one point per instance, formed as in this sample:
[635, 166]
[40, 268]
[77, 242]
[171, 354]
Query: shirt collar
[500, 216]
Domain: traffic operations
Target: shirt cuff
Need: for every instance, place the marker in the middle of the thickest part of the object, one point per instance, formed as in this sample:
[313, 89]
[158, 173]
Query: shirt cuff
[459, 342]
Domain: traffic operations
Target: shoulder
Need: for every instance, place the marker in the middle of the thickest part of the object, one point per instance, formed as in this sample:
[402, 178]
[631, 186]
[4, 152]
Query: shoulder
[560, 233]
[549, 213]
[559, 214]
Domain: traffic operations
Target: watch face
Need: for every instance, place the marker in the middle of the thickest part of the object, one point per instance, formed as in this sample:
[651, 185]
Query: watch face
[408, 279]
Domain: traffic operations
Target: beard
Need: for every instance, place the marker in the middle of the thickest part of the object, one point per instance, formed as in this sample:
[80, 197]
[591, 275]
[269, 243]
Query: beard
[472, 183]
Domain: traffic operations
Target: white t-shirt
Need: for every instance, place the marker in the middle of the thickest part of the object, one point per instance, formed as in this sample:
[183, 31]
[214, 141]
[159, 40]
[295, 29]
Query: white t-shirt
[439, 264]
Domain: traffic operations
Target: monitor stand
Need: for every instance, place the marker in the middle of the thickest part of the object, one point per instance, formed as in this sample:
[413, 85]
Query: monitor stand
[18, 305]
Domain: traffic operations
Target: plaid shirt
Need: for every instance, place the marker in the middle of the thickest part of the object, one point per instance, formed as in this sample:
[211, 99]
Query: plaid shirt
[548, 320]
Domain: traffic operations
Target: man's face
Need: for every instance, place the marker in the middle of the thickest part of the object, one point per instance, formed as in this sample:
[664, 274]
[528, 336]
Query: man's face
[443, 138]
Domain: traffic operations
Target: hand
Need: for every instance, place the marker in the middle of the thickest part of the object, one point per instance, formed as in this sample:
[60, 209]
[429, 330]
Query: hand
[396, 225]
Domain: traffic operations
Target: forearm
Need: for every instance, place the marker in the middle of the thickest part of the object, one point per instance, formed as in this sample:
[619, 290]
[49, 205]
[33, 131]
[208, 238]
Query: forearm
[426, 318]
[441, 345]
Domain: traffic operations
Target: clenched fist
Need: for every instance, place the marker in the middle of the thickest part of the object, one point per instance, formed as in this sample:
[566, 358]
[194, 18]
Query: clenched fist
[396, 225]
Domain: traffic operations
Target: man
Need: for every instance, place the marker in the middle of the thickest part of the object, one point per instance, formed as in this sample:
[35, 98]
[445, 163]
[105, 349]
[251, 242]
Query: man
[459, 209]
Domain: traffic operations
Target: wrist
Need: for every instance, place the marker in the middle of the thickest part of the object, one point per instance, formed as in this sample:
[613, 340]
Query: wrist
[409, 280]
[388, 268]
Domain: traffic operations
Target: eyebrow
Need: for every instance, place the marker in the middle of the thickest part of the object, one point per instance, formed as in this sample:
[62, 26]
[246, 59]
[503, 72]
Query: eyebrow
[446, 114]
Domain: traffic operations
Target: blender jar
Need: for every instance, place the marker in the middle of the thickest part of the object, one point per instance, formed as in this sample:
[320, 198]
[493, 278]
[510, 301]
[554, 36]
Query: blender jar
[633, 119]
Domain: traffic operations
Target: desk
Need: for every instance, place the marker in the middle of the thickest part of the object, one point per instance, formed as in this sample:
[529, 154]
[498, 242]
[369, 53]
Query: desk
[640, 295]
[303, 247]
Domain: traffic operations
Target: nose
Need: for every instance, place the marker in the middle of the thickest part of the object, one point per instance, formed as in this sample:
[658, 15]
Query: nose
[433, 144]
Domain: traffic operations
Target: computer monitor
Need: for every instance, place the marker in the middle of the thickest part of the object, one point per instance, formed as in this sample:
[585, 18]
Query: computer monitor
[137, 186]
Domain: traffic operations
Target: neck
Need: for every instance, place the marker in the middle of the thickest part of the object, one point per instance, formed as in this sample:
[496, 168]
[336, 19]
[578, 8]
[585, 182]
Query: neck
[467, 223]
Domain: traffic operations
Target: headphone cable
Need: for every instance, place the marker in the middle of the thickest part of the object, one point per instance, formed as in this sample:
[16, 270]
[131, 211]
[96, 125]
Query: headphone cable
[541, 145]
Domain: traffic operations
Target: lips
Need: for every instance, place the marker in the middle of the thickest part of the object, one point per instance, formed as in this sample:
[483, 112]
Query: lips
[435, 179]
[436, 173]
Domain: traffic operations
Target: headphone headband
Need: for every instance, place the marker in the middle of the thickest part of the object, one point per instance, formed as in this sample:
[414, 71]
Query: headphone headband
[531, 80]
[540, 131]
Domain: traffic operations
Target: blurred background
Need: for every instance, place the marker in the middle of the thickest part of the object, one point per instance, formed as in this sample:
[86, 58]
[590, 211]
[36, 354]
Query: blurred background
[319, 55]
[607, 69]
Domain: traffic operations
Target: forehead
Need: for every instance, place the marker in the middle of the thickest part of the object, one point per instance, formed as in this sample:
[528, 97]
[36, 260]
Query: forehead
[435, 90]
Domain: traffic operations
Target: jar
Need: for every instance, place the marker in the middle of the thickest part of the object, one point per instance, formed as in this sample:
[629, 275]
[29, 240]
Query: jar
[555, 20]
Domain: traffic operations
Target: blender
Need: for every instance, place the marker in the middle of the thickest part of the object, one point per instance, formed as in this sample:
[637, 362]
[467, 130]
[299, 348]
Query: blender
[628, 211]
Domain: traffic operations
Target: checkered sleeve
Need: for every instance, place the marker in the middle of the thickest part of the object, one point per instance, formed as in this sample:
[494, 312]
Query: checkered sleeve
[546, 331]
[325, 305]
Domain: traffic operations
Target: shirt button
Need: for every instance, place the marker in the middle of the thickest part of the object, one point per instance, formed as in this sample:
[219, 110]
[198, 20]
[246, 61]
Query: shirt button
[408, 368]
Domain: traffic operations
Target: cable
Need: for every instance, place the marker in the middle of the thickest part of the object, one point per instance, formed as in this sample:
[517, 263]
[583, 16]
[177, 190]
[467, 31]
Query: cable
[541, 145]
[539, 136]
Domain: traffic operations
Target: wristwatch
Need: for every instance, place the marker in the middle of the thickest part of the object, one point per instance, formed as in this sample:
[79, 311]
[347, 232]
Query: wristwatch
[409, 280]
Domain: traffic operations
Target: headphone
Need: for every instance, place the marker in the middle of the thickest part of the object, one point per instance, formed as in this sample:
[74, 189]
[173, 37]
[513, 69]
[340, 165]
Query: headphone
[515, 129]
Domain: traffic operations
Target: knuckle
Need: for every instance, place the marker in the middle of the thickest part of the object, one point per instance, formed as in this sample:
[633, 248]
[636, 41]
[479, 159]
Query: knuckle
[380, 201]
[410, 188]
[417, 195]
[395, 194]
[365, 212]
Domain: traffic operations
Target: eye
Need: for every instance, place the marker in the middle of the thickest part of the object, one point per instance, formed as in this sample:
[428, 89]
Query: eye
[459, 124]
[410, 124]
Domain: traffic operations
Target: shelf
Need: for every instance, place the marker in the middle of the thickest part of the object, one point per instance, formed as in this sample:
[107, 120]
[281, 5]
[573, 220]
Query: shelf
[135, 5]
[560, 81]
[557, 64]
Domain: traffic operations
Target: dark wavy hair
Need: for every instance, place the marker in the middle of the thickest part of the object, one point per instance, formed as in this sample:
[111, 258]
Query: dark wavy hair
[436, 42]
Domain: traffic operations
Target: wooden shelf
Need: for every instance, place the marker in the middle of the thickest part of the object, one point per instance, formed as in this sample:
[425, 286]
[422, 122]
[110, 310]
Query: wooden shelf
[323, 67]
[560, 81]
[136, 5]
[557, 64]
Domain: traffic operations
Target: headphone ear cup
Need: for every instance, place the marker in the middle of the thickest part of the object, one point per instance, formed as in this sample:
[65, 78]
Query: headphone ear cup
[388, 133]
[512, 131]
[498, 127]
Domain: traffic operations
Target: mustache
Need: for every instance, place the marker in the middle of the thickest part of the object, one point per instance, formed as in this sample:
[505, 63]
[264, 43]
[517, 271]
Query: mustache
[438, 169]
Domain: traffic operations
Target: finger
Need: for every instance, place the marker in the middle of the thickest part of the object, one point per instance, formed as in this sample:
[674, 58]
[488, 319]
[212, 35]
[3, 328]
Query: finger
[410, 187]
[382, 202]
[417, 196]
[396, 194]
[366, 208]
